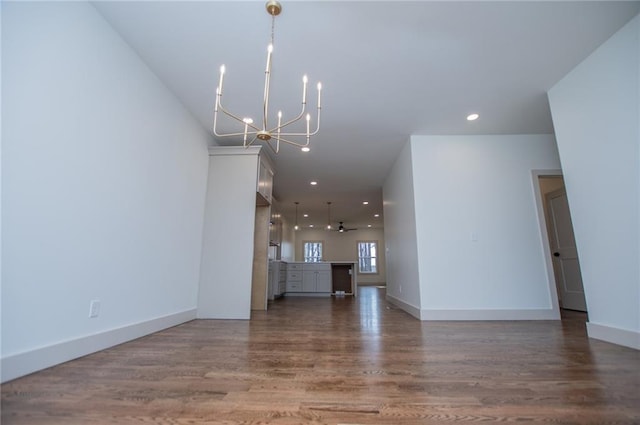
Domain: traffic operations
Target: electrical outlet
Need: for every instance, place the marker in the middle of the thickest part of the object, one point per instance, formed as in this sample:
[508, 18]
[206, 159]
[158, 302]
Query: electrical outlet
[94, 308]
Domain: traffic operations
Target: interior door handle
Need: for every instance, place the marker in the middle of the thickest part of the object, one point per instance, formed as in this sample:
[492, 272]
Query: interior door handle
[556, 254]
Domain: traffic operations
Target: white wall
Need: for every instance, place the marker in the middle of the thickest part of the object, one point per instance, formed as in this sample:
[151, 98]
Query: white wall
[287, 245]
[462, 231]
[479, 239]
[1, 273]
[401, 249]
[596, 116]
[103, 179]
[227, 249]
[344, 247]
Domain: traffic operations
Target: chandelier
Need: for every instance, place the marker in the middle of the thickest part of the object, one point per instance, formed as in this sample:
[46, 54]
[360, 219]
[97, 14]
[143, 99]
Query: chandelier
[263, 131]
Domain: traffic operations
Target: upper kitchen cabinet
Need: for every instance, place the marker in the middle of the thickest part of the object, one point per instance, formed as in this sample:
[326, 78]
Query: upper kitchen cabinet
[265, 181]
[234, 266]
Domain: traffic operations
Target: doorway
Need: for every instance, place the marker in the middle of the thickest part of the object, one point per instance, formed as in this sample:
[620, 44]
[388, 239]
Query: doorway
[562, 256]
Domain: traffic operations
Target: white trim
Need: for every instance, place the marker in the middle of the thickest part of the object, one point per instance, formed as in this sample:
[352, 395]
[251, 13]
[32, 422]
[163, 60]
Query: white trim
[427, 314]
[17, 365]
[544, 236]
[377, 257]
[613, 335]
[411, 309]
[529, 314]
[234, 150]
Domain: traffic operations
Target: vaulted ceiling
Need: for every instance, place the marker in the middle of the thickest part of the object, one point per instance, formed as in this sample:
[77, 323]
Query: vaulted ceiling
[389, 69]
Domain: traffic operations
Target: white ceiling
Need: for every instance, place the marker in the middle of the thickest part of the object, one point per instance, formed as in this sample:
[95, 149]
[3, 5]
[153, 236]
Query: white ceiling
[389, 69]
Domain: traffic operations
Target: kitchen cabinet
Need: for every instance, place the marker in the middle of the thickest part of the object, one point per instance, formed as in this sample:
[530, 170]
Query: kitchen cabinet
[294, 277]
[309, 279]
[236, 235]
[277, 278]
[282, 279]
[316, 277]
[265, 181]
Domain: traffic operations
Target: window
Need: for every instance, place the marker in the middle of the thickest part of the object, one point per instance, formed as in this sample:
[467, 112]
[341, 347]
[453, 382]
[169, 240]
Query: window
[368, 257]
[312, 251]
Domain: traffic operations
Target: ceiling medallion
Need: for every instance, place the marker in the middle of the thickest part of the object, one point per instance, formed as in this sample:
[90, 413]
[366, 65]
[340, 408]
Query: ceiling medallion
[272, 136]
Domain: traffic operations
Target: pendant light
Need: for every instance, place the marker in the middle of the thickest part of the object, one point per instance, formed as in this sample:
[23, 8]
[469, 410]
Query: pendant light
[296, 227]
[264, 130]
[328, 215]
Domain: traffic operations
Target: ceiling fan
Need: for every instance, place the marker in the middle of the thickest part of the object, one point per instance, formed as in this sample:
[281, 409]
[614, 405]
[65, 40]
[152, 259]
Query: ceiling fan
[343, 229]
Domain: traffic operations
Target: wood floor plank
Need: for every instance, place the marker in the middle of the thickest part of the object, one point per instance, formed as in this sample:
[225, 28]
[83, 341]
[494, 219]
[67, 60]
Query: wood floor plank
[340, 361]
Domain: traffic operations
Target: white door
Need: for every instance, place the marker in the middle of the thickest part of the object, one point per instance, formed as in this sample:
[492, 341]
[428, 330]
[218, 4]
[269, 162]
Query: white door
[565, 255]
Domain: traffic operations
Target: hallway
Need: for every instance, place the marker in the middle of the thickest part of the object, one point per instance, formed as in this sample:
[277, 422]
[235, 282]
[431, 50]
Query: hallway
[339, 361]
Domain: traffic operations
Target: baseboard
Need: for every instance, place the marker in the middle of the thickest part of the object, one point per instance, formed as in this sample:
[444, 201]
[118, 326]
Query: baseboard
[372, 283]
[411, 309]
[533, 314]
[17, 365]
[613, 335]
[427, 314]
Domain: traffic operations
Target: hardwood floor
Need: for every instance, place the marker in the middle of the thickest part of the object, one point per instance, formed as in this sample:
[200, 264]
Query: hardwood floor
[340, 361]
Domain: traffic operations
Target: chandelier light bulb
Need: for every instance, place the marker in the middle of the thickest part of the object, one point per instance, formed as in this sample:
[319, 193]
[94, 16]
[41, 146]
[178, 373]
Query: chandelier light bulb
[219, 90]
[305, 80]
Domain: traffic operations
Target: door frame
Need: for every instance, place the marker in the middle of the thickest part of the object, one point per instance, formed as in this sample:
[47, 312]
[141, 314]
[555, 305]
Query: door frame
[544, 236]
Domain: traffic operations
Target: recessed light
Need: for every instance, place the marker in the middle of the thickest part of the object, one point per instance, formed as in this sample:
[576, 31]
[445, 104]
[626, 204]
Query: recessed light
[305, 149]
[376, 215]
[472, 117]
[305, 215]
[313, 183]
[311, 225]
[368, 225]
[365, 202]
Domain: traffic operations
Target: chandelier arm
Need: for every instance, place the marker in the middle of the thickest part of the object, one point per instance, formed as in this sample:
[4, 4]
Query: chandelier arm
[251, 133]
[232, 116]
[318, 124]
[222, 108]
[298, 118]
[215, 132]
[246, 145]
[277, 148]
[291, 142]
[229, 114]
[304, 107]
[303, 134]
